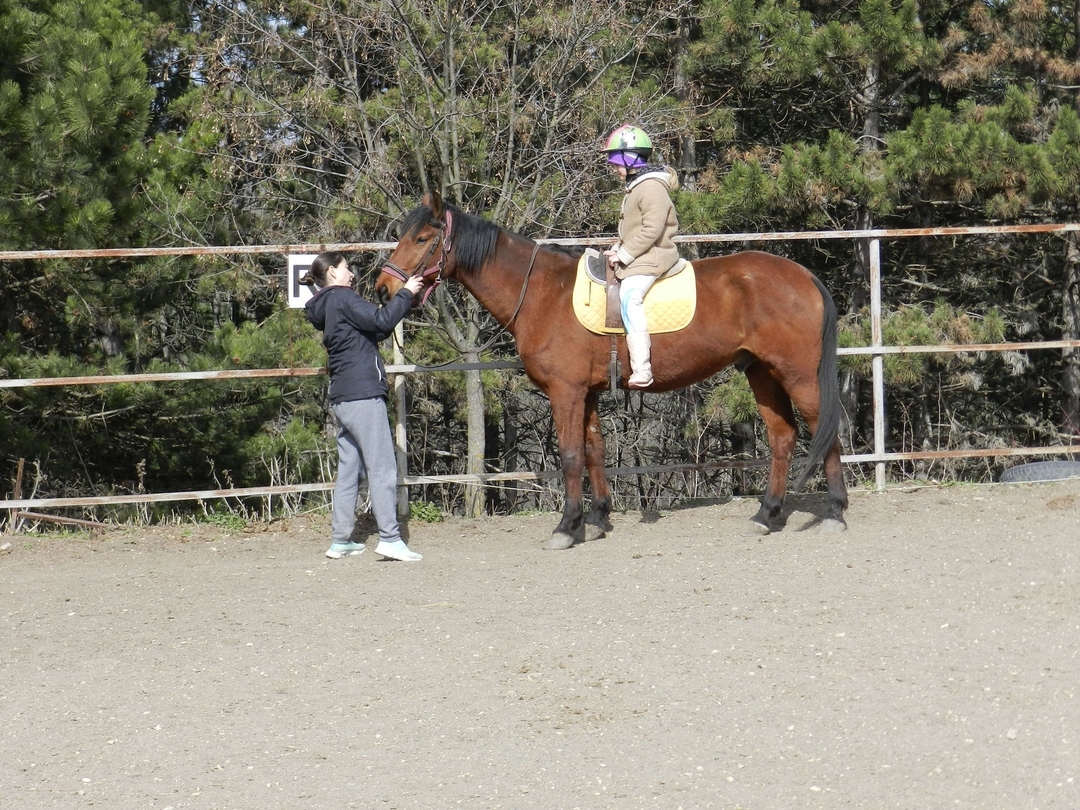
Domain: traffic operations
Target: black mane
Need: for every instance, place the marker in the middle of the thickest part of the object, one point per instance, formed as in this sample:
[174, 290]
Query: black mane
[474, 238]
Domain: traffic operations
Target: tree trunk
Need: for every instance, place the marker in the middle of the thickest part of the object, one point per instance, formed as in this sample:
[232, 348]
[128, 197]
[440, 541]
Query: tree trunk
[476, 434]
[860, 281]
[1070, 317]
[464, 335]
[474, 395]
[1070, 297]
[509, 455]
[688, 163]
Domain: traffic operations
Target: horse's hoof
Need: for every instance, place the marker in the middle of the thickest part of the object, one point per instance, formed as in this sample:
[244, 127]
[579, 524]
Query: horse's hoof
[593, 532]
[832, 525]
[756, 529]
[559, 542]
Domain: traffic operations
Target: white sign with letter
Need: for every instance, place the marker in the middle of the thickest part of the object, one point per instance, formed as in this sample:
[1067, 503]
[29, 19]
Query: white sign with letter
[299, 264]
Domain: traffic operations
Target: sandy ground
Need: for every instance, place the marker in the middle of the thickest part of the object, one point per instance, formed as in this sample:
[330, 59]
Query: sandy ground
[927, 658]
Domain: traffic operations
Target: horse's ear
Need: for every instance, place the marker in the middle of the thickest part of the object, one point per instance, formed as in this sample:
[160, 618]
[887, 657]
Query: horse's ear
[433, 200]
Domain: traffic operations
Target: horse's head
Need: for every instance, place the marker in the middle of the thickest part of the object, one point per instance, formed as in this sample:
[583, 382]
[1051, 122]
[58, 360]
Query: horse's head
[422, 248]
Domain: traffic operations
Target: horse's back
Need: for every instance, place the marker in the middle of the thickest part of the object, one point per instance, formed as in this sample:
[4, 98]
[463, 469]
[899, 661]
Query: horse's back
[770, 303]
[757, 272]
[760, 280]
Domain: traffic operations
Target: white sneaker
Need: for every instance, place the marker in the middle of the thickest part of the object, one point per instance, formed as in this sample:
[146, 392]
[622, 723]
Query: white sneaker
[397, 550]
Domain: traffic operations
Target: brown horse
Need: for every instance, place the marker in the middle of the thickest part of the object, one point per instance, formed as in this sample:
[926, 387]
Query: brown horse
[769, 316]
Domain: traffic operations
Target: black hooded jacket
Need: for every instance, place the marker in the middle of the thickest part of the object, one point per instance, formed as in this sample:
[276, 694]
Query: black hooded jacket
[352, 329]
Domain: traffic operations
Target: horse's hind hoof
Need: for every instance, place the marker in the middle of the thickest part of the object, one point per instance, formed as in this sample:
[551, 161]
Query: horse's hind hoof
[559, 542]
[832, 525]
[757, 529]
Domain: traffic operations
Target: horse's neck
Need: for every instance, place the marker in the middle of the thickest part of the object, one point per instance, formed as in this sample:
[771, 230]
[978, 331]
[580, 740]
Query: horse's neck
[500, 283]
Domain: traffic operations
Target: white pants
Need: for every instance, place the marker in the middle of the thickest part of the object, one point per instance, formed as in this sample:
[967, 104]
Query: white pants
[632, 295]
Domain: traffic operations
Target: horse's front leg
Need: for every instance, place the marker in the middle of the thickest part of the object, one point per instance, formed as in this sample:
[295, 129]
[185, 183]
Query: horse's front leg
[569, 414]
[597, 523]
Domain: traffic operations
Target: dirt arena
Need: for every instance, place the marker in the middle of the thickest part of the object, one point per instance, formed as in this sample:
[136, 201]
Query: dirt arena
[927, 658]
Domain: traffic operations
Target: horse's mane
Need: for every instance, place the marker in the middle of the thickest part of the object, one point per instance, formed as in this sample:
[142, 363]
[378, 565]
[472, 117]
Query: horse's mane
[474, 237]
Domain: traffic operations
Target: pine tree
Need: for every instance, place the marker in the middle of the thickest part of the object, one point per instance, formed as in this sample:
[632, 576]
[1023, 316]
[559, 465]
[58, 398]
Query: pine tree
[89, 160]
[74, 109]
[891, 113]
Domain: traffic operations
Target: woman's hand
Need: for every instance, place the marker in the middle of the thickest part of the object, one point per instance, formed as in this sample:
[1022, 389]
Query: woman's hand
[415, 284]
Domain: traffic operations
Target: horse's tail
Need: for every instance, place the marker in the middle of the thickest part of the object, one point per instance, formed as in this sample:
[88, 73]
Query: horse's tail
[828, 426]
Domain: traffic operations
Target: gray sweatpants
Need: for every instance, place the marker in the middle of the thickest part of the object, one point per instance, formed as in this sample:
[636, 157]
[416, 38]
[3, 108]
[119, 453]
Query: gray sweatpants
[365, 450]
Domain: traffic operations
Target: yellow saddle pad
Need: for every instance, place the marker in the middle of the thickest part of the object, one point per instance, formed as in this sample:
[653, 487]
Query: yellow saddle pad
[669, 304]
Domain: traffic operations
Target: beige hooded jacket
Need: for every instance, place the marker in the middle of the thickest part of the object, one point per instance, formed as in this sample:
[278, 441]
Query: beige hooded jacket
[647, 224]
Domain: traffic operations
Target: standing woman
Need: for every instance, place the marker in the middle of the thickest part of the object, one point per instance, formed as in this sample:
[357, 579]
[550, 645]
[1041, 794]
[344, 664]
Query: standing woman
[645, 250]
[352, 328]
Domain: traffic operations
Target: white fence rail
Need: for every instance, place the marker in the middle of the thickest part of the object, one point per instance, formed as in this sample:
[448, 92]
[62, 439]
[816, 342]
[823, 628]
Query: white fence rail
[877, 350]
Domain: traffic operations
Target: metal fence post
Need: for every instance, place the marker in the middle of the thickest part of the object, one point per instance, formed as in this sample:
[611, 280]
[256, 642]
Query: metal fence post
[877, 363]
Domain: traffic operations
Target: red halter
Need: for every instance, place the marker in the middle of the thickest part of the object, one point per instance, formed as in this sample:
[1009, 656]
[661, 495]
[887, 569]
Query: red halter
[436, 269]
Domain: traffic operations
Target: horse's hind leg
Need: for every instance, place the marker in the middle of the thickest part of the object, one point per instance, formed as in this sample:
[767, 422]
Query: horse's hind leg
[807, 403]
[838, 497]
[597, 523]
[775, 408]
